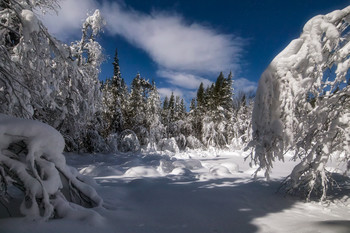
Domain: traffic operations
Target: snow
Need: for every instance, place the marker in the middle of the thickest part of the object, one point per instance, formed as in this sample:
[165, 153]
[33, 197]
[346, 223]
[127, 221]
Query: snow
[192, 191]
[30, 23]
[39, 170]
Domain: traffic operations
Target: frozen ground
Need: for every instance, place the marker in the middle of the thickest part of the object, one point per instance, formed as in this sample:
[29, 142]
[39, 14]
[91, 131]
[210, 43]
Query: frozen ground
[194, 192]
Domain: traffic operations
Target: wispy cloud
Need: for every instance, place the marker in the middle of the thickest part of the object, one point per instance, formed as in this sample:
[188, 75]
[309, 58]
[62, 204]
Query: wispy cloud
[163, 92]
[173, 43]
[183, 80]
[185, 52]
[244, 85]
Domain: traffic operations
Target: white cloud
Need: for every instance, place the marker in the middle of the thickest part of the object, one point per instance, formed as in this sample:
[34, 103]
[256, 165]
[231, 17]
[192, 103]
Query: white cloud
[70, 18]
[174, 44]
[183, 80]
[184, 52]
[163, 92]
[244, 85]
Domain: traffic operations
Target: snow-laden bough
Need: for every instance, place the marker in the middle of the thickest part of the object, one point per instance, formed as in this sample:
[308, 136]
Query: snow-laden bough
[303, 104]
[31, 159]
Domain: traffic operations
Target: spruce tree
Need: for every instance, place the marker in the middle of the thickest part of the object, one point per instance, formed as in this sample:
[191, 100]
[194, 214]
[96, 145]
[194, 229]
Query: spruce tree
[182, 110]
[200, 96]
[115, 98]
[116, 68]
[171, 108]
[137, 105]
[153, 117]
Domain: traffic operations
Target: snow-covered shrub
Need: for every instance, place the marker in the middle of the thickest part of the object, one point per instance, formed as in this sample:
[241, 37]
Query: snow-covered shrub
[31, 159]
[168, 144]
[302, 104]
[94, 142]
[142, 134]
[128, 142]
[193, 142]
[112, 142]
[242, 122]
[181, 141]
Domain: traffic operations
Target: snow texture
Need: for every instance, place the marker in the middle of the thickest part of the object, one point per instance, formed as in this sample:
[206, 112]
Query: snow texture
[30, 23]
[193, 191]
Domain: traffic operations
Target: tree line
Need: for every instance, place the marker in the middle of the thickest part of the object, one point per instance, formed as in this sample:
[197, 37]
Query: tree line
[214, 119]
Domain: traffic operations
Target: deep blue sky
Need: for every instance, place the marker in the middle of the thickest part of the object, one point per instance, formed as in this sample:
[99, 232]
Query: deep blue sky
[264, 28]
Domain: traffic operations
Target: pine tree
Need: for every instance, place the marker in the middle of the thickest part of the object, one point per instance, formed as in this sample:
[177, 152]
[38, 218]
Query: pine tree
[115, 98]
[171, 108]
[182, 110]
[116, 68]
[193, 105]
[136, 117]
[200, 96]
[153, 117]
[166, 103]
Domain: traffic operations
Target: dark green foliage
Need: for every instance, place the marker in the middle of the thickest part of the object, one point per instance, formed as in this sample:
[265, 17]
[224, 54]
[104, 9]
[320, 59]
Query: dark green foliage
[115, 97]
[116, 68]
[200, 96]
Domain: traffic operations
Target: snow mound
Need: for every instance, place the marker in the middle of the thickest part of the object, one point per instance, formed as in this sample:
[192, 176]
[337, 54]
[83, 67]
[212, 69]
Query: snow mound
[165, 166]
[141, 171]
[181, 171]
[191, 164]
[220, 171]
[232, 167]
[93, 170]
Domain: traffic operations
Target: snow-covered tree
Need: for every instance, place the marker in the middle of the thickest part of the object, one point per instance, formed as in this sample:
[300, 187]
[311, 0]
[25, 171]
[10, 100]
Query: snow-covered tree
[42, 78]
[153, 117]
[242, 118]
[136, 117]
[115, 97]
[215, 112]
[87, 53]
[301, 104]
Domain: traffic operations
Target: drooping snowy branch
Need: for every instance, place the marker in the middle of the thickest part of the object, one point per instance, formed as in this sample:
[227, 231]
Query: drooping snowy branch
[302, 102]
[39, 170]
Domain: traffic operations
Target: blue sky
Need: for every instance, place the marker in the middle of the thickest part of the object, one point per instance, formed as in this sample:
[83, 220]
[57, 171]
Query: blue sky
[182, 43]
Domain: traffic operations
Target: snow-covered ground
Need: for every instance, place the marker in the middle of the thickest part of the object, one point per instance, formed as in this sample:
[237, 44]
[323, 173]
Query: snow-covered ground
[194, 192]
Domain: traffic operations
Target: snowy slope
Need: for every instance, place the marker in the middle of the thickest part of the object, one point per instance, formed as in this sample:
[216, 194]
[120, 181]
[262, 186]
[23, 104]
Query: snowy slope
[190, 192]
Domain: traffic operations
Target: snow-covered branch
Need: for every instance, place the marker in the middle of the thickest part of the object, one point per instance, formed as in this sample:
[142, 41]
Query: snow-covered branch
[301, 102]
[31, 159]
